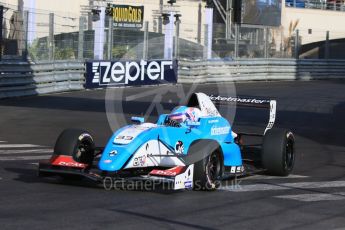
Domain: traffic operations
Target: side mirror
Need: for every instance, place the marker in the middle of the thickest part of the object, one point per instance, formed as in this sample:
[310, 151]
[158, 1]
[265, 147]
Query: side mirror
[139, 120]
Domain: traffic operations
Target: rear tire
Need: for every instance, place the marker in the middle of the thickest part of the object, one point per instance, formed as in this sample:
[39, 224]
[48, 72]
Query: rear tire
[278, 152]
[76, 143]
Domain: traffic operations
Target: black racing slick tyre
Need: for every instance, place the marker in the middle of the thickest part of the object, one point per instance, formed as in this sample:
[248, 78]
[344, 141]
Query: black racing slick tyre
[76, 143]
[278, 152]
[208, 171]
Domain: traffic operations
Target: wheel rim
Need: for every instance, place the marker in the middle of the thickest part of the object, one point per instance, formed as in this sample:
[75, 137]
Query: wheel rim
[289, 156]
[83, 151]
[213, 168]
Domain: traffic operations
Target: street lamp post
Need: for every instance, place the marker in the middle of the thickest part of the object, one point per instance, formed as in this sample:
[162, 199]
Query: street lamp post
[172, 26]
[177, 36]
[209, 32]
[1, 21]
[228, 19]
[168, 21]
[99, 34]
[30, 7]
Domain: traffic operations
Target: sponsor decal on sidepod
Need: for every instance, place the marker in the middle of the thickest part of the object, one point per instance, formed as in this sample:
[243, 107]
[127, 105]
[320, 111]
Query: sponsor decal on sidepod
[220, 130]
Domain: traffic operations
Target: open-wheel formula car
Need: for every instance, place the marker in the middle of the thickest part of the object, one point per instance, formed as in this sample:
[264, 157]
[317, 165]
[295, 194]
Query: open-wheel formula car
[192, 147]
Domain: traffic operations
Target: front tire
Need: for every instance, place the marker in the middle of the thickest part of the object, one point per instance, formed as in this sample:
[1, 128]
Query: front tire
[208, 171]
[278, 152]
[76, 143]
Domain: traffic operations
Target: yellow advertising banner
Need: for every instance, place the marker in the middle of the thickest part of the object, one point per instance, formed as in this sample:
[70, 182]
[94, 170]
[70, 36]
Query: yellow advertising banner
[128, 16]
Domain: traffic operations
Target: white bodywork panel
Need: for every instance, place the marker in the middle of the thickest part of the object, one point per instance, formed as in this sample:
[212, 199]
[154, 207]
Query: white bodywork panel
[127, 135]
[144, 156]
[273, 111]
[179, 180]
[185, 180]
[206, 105]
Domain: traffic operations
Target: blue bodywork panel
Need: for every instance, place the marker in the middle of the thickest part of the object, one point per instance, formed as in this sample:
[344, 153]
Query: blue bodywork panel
[121, 148]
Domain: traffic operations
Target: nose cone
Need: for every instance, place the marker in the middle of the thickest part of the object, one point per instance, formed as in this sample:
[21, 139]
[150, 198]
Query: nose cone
[107, 163]
[123, 144]
[113, 160]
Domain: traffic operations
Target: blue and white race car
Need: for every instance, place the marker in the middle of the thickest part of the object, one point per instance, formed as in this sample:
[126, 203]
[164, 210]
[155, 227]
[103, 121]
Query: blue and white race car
[192, 147]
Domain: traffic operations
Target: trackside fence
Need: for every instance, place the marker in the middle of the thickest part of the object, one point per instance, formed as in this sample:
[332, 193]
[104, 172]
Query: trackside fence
[260, 70]
[24, 79]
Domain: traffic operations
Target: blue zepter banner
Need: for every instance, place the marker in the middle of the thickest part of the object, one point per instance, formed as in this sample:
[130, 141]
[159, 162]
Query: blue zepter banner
[100, 74]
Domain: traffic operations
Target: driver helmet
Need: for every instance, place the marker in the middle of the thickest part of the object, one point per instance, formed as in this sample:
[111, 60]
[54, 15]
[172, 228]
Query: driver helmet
[183, 113]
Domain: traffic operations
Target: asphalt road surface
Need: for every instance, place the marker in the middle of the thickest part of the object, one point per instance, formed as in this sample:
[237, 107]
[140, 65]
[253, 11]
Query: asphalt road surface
[313, 197]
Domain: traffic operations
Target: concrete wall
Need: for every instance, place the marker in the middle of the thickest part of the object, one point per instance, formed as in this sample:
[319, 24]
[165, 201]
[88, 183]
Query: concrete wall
[319, 21]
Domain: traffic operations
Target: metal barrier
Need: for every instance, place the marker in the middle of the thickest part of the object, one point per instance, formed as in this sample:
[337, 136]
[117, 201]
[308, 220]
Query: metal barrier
[24, 79]
[260, 70]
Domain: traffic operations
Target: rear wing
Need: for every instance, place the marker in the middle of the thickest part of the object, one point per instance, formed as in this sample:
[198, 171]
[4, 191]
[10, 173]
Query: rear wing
[249, 102]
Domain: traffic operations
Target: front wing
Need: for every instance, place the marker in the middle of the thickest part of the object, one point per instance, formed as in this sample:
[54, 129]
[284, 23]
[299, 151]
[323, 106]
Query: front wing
[179, 177]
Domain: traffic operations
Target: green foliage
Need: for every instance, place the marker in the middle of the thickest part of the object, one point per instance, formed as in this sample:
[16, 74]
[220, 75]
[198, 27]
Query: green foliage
[38, 50]
[64, 54]
[124, 52]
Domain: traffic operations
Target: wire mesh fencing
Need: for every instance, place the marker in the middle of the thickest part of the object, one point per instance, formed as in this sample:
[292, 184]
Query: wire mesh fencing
[39, 35]
[45, 35]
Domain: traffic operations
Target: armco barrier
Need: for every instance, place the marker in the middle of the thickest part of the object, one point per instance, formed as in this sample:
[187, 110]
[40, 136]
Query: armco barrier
[260, 70]
[23, 79]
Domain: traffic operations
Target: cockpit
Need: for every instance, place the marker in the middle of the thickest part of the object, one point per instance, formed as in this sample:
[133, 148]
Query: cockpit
[199, 105]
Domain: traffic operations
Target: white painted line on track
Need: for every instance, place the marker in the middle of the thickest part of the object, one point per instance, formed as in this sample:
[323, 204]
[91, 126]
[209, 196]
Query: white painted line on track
[4, 146]
[25, 158]
[263, 177]
[3, 141]
[25, 151]
[314, 197]
[283, 186]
